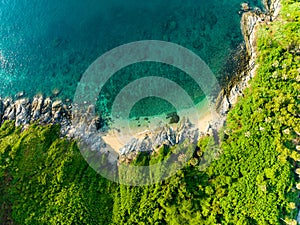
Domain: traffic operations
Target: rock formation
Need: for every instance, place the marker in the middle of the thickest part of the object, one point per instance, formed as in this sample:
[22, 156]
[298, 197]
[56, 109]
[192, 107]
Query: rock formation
[249, 23]
[40, 110]
[163, 136]
[85, 126]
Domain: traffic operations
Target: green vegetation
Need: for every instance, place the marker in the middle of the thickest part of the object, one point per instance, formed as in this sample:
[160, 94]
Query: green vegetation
[44, 179]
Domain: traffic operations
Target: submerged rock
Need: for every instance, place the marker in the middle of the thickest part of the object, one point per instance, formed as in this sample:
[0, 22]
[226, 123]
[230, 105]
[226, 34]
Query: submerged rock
[212, 19]
[174, 118]
[172, 25]
[56, 91]
[20, 94]
[245, 7]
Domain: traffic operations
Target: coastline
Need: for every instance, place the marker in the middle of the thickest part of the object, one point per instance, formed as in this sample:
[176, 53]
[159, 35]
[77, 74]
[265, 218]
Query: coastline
[47, 111]
[43, 111]
[250, 22]
[143, 127]
[236, 166]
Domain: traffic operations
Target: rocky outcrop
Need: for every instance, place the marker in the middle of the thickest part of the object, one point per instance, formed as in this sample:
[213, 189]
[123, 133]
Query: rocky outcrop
[87, 130]
[40, 110]
[85, 125]
[250, 22]
[163, 136]
[272, 7]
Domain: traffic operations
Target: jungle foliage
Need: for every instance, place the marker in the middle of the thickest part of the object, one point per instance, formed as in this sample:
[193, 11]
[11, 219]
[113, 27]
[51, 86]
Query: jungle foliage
[45, 180]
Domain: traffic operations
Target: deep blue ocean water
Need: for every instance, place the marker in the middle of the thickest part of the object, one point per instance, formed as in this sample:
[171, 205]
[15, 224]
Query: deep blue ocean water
[47, 45]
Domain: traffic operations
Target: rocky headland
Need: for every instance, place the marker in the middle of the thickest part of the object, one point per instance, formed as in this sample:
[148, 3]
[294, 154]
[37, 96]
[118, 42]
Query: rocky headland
[252, 18]
[87, 126]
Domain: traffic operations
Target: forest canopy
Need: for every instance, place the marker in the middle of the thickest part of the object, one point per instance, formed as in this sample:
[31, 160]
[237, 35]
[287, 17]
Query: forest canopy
[45, 180]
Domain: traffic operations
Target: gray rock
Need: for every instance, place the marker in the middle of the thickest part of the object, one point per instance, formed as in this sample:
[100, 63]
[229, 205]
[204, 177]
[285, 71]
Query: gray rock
[7, 102]
[162, 136]
[46, 112]
[57, 110]
[47, 106]
[145, 145]
[57, 104]
[22, 112]
[248, 23]
[225, 106]
[10, 112]
[165, 135]
[129, 147]
[187, 131]
[36, 107]
[227, 100]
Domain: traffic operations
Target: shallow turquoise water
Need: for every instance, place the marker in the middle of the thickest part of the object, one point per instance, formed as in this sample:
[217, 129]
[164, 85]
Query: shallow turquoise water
[49, 44]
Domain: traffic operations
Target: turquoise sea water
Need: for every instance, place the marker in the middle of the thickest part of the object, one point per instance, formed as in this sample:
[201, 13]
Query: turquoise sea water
[47, 45]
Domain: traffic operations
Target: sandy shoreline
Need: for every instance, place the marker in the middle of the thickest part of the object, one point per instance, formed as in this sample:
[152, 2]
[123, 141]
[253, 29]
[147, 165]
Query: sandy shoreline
[125, 130]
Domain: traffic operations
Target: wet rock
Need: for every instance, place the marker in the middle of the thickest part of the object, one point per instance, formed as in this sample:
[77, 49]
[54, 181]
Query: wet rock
[20, 94]
[171, 25]
[46, 116]
[198, 44]
[22, 112]
[245, 7]
[174, 118]
[36, 107]
[212, 20]
[56, 92]
[10, 111]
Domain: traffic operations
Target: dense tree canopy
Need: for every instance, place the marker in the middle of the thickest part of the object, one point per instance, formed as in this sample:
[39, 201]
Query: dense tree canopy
[45, 180]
